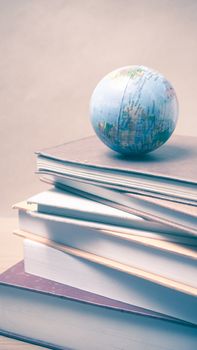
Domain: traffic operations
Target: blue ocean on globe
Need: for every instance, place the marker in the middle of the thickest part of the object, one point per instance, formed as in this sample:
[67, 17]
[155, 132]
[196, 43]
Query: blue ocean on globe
[134, 110]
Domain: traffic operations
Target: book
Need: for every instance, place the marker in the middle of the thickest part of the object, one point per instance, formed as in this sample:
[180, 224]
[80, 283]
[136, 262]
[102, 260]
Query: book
[148, 210]
[64, 203]
[172, 260]
[169, 172]
[56, 227]
[68, 204]
[106, 277]
[109, 252]
[58, 316]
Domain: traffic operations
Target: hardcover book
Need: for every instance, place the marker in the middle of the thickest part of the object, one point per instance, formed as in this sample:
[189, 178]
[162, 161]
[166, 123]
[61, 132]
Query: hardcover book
[108, 277]
[172, 260]
[168, 172]
[111, 206]
[57, 316]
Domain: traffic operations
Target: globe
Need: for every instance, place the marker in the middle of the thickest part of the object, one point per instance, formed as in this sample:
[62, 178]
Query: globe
[134, 110]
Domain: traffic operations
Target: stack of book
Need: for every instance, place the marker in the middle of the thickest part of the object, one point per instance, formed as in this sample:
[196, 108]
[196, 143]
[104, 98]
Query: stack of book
[110, 251]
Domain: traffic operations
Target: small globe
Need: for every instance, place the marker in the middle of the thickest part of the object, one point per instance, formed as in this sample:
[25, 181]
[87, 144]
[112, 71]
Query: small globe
[134, 110]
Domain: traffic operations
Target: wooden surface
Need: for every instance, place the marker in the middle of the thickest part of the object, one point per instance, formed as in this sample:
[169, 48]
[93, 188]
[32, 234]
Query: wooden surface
[11, 251]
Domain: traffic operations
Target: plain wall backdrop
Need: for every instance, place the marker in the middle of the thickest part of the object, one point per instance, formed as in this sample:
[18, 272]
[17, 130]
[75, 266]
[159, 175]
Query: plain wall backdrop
[53, 53]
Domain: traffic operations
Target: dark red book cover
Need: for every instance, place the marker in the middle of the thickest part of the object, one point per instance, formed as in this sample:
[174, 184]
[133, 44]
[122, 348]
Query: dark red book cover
[18, 278]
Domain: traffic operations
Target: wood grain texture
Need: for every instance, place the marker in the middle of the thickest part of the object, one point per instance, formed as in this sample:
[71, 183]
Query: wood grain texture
[11, 251]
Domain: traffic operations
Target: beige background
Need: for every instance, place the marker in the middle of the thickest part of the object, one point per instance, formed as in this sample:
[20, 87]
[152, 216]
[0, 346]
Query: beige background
[53, 53]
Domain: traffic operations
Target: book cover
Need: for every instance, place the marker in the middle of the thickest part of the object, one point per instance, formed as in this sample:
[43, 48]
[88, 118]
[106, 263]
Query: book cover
[56, 316]
[18, 278]
[109, 278]
[176, 160]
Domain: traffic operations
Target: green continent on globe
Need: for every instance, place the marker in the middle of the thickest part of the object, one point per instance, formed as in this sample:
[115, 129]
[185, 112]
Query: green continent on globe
[134, 110]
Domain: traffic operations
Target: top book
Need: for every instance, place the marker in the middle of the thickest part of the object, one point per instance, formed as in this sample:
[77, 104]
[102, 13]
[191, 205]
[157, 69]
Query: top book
[169, 172]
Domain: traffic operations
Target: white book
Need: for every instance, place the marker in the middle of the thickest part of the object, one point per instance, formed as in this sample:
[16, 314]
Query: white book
[50, 225]
[56, 265]
[57, 202]
[167, 259]
[67, 204]
[182, 220]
